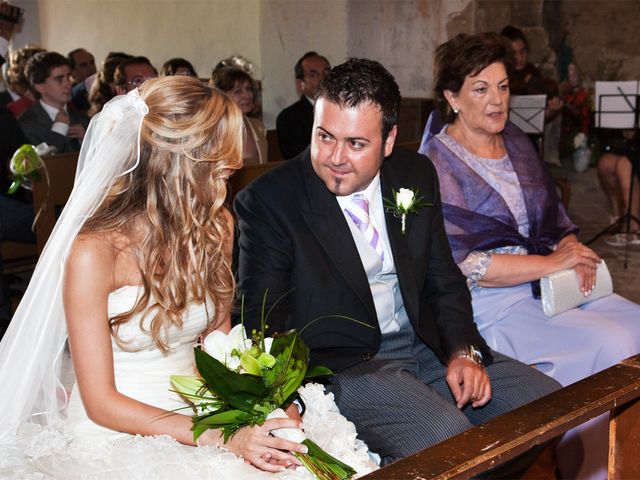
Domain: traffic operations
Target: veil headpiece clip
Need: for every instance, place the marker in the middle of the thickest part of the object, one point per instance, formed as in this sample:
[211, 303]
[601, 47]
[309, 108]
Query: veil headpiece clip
[139, 104]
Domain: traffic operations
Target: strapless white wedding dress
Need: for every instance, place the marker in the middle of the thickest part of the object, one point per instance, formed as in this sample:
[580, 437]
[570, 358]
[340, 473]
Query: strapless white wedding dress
[77, 448]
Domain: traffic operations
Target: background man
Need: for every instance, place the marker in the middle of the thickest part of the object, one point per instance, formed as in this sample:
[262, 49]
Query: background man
[82, 65]
[83, 73]
[414, 370]
[50, 119]
[294, 123]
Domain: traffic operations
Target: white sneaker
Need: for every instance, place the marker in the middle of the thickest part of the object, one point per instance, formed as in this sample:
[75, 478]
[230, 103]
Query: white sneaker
[620, 239]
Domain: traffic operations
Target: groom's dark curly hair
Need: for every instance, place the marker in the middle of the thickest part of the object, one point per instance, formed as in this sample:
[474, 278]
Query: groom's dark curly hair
[360, 81]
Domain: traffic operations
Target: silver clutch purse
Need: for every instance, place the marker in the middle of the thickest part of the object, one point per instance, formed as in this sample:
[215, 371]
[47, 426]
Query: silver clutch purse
[560, 291]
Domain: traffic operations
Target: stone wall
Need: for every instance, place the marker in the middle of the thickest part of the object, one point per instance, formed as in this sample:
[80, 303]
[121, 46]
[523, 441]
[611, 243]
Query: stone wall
[604, 37]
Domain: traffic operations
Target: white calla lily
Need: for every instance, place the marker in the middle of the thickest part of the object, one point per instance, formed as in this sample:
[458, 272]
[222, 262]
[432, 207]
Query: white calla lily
[221, 345]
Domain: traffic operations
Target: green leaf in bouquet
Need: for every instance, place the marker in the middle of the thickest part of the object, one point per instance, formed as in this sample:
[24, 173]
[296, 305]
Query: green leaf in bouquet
[318, 371]
[228, 422]
[292, 359]
[227, 417]
[323, 465]
[238, 391]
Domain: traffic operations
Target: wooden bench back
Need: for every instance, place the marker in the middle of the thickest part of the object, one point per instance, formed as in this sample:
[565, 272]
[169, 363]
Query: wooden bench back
[18, 257]
[615, 390]
[50, 199]
[247, 174]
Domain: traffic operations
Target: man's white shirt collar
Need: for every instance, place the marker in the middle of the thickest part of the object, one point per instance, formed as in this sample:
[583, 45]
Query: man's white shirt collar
[51, 111]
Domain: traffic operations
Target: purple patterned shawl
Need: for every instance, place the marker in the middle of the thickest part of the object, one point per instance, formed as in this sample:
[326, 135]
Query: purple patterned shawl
[476, 215]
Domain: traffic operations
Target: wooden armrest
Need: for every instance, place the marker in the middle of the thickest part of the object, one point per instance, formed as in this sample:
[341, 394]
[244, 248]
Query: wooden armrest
[505, 437]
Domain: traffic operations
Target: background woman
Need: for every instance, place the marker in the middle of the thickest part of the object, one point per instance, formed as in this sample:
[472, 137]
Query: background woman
[239, 86]
[507, 228]
[20, 95]
[178, 66]
[103, 88]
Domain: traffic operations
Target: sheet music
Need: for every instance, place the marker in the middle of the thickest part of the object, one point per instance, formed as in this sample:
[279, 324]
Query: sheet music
[616, 104]
[527, 112]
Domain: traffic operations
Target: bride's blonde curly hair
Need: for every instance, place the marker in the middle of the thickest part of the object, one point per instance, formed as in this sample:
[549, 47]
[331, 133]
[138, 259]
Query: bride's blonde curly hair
[171, 207]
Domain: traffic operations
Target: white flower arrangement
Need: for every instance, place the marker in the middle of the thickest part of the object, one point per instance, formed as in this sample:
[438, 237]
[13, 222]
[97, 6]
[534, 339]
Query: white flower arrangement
[406, 200]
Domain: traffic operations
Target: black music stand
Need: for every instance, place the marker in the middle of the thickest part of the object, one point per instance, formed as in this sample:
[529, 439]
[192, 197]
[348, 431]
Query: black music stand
[628, 216]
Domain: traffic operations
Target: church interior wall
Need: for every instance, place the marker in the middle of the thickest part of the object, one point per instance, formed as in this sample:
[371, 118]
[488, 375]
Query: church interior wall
[272, 34]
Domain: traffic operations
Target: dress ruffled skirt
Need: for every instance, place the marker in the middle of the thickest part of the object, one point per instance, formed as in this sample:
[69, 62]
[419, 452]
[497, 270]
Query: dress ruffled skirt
[37, 452]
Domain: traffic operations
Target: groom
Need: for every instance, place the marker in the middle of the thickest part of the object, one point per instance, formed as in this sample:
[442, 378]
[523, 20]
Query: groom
[411, 367]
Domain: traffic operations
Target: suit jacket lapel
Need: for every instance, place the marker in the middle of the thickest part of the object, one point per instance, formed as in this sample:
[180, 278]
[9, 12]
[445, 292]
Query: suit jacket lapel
[326, 221]
[398, 241]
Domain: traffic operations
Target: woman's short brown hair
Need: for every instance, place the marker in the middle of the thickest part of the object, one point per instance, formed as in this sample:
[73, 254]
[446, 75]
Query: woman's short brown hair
[462, 56]
[226, 78]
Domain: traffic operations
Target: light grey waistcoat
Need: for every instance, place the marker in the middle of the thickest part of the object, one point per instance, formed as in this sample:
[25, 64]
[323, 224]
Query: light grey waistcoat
[384, 286]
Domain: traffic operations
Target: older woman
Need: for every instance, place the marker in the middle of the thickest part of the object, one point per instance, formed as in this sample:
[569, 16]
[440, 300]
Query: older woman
[178, 66]
[507, 229]
[239, 85]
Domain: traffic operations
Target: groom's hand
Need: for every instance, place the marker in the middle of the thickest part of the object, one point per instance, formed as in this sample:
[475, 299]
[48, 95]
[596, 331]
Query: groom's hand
[468, 382]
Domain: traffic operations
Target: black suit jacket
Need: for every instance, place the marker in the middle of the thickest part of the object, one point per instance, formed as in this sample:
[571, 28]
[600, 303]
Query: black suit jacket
[293, 237]
[11, 138]
[36, 125]
[5, 98]
[294, 125]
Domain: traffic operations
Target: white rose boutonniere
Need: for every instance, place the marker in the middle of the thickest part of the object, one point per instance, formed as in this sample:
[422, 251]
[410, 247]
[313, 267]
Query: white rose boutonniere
[406, 200]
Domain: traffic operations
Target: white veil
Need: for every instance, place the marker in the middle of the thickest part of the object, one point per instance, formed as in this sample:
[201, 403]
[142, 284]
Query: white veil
[32, 351]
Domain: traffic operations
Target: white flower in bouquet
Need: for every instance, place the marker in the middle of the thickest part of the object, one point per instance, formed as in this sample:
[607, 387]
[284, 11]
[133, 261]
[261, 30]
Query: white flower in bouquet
[237, 352]
[221, 346]
[249, 379]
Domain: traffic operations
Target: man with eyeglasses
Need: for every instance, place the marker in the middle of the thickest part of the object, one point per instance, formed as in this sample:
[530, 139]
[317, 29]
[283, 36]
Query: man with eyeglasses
[132, 73]
[294, 123]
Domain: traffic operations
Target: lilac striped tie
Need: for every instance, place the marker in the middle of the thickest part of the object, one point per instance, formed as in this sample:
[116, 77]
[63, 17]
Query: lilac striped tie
[358, 211]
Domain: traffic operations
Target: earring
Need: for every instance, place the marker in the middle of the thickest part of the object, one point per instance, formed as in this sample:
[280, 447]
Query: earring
[455, 110]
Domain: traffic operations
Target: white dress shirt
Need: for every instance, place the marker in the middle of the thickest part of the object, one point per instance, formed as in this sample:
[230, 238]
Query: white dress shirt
[58, 127]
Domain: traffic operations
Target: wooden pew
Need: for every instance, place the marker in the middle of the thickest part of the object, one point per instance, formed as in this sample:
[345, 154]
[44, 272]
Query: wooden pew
[273, 147]
[18, 257]
[247, 174]
[61, 169]
[615, 390]
[49, 199]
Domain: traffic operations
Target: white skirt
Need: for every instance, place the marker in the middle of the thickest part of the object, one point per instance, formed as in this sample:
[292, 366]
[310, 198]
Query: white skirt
[38, 452]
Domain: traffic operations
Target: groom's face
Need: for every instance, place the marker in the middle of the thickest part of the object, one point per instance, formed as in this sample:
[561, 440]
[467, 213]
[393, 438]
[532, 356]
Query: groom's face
[347, 149]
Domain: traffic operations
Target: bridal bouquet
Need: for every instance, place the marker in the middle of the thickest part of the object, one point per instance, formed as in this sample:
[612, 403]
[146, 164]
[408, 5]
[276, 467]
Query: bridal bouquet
[245, 381]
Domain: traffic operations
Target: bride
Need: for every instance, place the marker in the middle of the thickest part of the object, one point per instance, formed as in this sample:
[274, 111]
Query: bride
[136, 268]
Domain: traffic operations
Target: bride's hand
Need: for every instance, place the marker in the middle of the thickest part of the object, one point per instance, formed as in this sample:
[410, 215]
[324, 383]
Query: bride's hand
[264, 451]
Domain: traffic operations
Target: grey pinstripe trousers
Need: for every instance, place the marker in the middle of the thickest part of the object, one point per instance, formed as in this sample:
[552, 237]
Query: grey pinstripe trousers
[400, 402]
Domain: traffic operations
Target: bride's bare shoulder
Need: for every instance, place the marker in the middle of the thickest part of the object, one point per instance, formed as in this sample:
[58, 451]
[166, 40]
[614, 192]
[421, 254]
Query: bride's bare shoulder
[91, 253]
